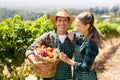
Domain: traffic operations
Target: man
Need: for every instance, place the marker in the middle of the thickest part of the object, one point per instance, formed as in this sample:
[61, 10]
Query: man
[57, 39]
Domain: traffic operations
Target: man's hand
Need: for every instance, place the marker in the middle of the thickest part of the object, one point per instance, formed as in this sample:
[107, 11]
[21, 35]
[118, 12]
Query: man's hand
[42, 65]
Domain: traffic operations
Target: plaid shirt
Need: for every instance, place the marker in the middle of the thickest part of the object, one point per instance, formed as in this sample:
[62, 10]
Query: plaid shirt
[51, 39]
[85, 53]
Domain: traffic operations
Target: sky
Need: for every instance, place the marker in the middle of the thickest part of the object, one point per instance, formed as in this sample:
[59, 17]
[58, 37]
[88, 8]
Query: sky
[58, 3]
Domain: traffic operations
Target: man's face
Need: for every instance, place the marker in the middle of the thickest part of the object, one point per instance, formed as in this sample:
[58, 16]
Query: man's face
[62, 23]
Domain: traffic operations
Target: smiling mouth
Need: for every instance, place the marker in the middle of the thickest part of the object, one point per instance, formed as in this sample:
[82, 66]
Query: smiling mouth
[62, 26]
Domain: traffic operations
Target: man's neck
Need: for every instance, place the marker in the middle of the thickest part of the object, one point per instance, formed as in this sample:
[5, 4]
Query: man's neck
[61, 32]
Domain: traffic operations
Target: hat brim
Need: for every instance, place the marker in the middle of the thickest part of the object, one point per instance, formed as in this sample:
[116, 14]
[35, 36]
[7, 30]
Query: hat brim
[53, 19]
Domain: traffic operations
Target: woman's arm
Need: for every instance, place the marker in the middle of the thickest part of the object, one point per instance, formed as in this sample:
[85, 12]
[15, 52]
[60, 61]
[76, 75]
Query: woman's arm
[90, 53]
[65, 58]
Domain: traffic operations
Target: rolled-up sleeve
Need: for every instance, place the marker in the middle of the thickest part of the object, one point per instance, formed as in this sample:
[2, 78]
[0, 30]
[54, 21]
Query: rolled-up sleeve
[41, 39]
[30, 50]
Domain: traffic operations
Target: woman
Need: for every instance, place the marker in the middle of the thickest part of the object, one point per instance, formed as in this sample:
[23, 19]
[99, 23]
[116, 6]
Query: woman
[86, 48]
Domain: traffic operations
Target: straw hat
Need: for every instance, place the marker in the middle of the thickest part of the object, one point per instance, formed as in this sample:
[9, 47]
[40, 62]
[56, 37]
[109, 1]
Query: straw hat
[61, 13]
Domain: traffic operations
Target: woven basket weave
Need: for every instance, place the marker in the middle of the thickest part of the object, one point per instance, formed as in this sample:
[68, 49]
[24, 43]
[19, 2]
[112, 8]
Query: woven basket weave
[52, 63]
[46, 73]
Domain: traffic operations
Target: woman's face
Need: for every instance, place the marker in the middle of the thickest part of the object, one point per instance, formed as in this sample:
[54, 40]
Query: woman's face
[81, 28]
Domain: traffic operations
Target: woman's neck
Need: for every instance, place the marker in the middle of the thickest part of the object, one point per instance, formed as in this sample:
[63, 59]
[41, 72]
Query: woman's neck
[85, 35]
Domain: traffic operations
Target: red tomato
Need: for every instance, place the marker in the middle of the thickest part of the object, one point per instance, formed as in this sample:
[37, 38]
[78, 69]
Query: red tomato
[43, 46]
[49, 49]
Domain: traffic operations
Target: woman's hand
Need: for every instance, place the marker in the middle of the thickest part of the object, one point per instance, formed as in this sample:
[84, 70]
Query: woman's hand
[63, 57]
[71, 36]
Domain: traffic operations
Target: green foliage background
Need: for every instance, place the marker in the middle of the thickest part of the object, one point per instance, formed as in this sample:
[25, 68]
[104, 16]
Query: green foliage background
[16, 35]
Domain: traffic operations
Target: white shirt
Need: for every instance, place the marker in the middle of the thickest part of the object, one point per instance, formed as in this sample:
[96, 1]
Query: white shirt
[62, 38]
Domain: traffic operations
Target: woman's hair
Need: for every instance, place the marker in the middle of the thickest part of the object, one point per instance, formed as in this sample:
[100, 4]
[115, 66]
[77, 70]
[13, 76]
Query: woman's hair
[93, 35]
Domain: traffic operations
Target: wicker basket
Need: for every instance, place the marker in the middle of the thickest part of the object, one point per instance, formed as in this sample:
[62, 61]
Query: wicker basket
[46, 73]
[51, 63]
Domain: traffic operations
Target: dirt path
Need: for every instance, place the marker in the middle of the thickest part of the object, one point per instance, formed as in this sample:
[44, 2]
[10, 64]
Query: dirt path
[111, 69]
